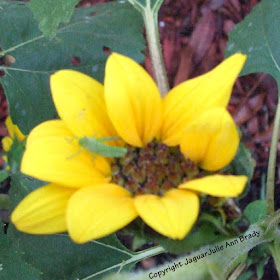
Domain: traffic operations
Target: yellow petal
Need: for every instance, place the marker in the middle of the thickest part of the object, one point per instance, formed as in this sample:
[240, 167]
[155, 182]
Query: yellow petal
[133, 100]
[97, 211]
[10, 126]
[217, 185]
[18, 133]
[13, 129]
[43, 211]
[79, 100]
[52, 154]
[7, 142]
[172, 215]
[212, 140]
[193, 97]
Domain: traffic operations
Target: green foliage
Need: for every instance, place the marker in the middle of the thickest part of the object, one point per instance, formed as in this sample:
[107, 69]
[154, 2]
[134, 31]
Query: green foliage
[256, 211]
[21, 186]
[11, 264]
[259, 257]
[246, 275]
[14, 155]
[258, 37]
[4, 201]
[225, 260]
[4, 174]
[242, 164]
[260, 271]
[202, 234]
[57, 257]
[87, 36]
[50, 13]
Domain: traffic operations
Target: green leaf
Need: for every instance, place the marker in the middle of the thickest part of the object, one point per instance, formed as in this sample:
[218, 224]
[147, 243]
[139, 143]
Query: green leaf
[258, 37]
[242, 164]
[4, 174]
[256, 211]
[21, 186]
[259, 255]
[246, 276]
[138, 241]
[4, 201]
[260, 271]
[58, 257]
[14, 155]
[88, 35]
[50, 13]
[11, 264]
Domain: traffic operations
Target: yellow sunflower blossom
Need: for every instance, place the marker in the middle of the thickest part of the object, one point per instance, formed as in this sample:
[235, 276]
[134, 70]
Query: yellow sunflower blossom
[169, 143]
[14, 133]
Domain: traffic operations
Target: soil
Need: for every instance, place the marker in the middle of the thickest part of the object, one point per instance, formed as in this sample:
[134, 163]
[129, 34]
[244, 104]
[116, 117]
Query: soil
[194, 35]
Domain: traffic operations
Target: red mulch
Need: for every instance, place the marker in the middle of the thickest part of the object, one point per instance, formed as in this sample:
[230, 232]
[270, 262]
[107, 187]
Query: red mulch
[194, 34]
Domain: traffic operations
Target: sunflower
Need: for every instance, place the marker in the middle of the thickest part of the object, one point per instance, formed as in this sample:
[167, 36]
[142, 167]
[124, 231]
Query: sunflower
[174, 147]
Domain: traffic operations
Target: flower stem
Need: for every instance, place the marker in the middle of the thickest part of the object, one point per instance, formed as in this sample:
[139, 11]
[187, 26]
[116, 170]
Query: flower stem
[272, 163]
[151, 23]
[149, 11]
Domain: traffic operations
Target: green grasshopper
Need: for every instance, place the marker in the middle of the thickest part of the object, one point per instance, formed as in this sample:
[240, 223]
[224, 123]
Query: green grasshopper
[96, 145]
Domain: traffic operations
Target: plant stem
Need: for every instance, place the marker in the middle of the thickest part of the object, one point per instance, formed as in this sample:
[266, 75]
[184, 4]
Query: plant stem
[276, 257]
[237, 272]
[151, 23]
[272, 163]
[148, 253]
[271, 222]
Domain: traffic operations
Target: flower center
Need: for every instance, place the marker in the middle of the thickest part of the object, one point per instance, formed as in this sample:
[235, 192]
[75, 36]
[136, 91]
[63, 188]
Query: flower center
[153, 169]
